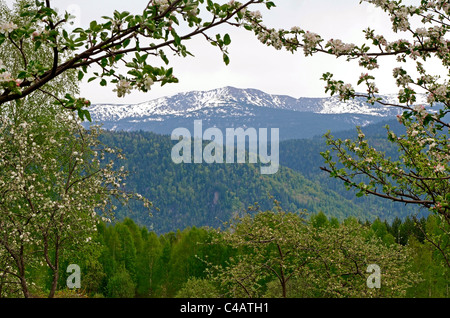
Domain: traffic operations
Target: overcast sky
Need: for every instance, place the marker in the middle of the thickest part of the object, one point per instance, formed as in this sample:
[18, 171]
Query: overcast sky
[253, 65]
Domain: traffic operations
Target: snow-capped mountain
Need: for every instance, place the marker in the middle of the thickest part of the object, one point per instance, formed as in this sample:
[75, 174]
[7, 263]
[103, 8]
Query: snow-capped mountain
[233, 107]
[184, 103]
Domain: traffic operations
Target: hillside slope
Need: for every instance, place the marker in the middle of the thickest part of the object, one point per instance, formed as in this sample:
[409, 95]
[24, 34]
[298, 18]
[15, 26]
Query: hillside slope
[209, 194]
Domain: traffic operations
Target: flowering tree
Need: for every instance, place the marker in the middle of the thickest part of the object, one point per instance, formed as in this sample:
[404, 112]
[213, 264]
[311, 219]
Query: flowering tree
[281, 254]
[53, 179]
[52, 187]
[54, 183]
[422, 173]
[273, 245]
[122, 41]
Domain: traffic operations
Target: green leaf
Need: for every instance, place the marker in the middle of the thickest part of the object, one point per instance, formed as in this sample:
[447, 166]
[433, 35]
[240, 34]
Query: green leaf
[37, 45]
[22, 75]
[226, 59]
[227, 39]
[80, 114]
[270, 4]
[164, 58]
[88, 115]
[126, 42]
[93, 25]
[177, 39]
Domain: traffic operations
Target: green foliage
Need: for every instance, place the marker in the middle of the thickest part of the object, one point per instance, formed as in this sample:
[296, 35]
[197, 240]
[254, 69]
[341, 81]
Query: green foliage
[208, 194]
[52, 182]
[121, 285]
[52, 186]
[276, 249]
[319, 257]
[304, 156]
[158, 266]
[198, 288]
[435, 276]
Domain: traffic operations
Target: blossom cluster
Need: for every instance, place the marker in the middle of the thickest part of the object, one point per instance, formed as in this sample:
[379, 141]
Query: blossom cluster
[163, 5]
[337, 47]
[310, 40]
[7, 27]
[123, 87]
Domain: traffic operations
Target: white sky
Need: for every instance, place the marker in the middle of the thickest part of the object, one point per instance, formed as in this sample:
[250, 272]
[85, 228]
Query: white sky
[253, 65]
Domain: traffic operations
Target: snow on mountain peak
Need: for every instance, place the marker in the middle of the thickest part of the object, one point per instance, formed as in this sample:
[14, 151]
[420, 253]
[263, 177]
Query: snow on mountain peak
[184, 103]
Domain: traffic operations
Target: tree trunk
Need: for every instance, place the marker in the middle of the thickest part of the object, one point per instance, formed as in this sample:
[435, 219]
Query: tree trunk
[54, 267]
[21, 265]
[283, 287]
[23, 284]
[55, 270]
[54, 284]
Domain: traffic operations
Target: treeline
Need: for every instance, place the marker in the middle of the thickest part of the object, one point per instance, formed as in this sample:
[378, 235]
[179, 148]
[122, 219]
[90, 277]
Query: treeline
[131, 261]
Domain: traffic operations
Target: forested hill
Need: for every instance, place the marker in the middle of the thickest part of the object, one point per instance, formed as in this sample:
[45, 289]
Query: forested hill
[208, 194]
[303, 156]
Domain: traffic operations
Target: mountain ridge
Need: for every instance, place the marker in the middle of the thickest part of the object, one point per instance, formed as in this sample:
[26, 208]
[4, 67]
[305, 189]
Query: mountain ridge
[182, 103]
[230, 107]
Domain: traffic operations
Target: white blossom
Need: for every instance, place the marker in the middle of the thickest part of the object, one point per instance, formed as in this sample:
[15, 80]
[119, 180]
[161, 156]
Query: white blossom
[7, 27]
